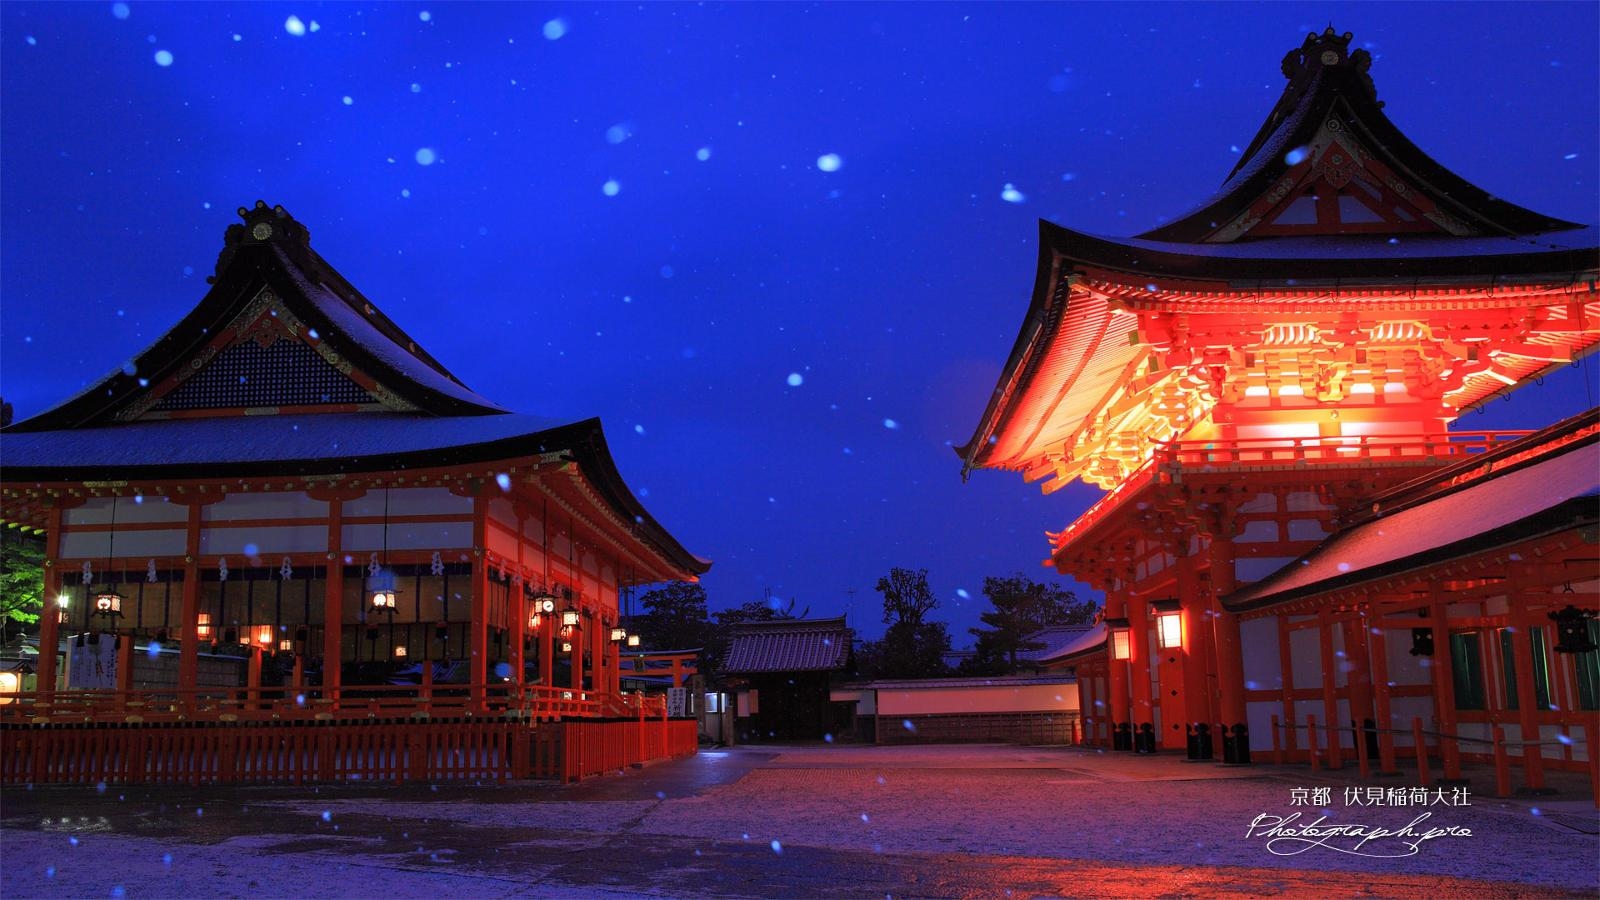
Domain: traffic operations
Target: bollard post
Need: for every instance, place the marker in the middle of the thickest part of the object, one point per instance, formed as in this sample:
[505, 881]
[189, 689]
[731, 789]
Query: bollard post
[1502, 764]
[1423, 777]
[1311, 742]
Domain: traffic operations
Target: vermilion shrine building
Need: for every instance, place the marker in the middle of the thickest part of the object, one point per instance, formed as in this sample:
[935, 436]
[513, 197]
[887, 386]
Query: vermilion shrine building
[1292, 533]
[286, 480]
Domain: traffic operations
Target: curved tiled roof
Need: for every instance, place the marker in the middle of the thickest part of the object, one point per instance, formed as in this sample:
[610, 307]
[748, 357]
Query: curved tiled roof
[788, 645]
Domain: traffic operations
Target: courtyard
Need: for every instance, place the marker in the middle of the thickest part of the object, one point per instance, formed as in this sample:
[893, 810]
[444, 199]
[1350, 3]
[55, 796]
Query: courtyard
[813, 821]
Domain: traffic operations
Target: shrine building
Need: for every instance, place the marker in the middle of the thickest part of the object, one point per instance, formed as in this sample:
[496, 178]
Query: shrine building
[284, 514]
[1293, 535]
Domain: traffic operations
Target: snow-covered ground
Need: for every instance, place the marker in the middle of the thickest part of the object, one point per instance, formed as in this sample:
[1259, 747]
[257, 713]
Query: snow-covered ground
[798, 811]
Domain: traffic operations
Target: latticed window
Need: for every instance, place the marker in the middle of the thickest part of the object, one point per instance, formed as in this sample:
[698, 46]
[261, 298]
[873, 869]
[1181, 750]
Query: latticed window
[287, 373]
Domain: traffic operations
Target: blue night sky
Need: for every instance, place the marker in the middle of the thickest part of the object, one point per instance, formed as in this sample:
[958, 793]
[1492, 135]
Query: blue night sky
[633, 211]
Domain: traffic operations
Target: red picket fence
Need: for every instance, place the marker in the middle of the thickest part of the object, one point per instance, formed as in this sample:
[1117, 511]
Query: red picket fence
[597, 746]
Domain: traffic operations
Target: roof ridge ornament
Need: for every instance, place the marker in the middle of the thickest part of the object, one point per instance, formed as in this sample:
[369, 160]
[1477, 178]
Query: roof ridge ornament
[1326, 50]
[262, 224]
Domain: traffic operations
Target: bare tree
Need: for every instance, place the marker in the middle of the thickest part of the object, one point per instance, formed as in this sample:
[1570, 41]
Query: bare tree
[906, 597]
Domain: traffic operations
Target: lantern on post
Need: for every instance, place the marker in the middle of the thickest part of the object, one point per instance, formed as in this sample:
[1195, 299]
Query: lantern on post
[633, 641]
[1121, 639]
[618, 634]
[62, 613]
[1169, 624]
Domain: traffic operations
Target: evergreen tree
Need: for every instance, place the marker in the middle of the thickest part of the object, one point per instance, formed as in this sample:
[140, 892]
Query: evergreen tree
[675, 617]
[1021, 607]
[911, 647]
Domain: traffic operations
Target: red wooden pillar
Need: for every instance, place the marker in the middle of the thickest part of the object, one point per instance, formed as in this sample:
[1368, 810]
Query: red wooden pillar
[333, 602]
[547, 650]
[1444, 689]
[575, 637]
[1140, 663]
[125, 662]
[1378, 653]
[1117, 710]
[1358, 675]
[49, 620]
[1527, 702]
[517, 609]
[478, 627]
[1198, 703]
[1225, 628]
[597, 654]
[1330, 698]
[189, 650]
[1286, 696]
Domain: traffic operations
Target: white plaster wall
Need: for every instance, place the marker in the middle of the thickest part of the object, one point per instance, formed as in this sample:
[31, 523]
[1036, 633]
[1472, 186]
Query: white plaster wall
[1258, 531]
[1306, 530]
[97, 511]
[1304, 501]
[423, 536]
[409, 502]
[1403, 709]
[276, 505]
[264, 542]
[984, 699]
[130, 545]
[501, 510]
[1248, 569]
[1403, 667]
[1260, 503]
[1305, 658]
[1259, 717]
[1258, 639]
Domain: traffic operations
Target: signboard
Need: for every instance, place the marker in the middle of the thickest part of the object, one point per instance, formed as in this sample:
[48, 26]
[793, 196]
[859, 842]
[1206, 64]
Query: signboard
[677, 702]
[92, 662]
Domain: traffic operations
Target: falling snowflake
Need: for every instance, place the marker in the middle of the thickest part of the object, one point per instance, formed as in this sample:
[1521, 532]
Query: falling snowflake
[829, 162]
[1010, 194]
[294, 26]
[555, 29]
[796, 379]
[611, 188]
[163, 58]
[426, 156]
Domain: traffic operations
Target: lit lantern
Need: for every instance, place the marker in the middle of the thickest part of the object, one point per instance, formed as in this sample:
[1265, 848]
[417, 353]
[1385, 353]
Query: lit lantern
[1121, 639]
[544, 603]
[10, 684]
[243, 638]
[108, 603]
[62, 602]
[618, 635]
[633, 640]
[566, 646]
[1169, 624]
[382, 590]
[202, 626]
[264, 635]
[399, 651]
[286, 646]
[534, 621]
[569, 617]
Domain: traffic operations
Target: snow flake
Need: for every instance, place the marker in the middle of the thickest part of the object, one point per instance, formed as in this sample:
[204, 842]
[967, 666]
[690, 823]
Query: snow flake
[327, 815]
[611, 188]
[890, 424]
[163, 58]
[32, 41]
[425, 16]
[1296, 156]
[120, 10]
[618, 133]
[829, 162]
[416, 88]
[962, 593]
[1010, 194]
[347, 100]
[796, 379]
[1570, 156]
[555, 29]
[294, 26]
[504, 481]
[777, 848]
[703, 154]
[426, 156]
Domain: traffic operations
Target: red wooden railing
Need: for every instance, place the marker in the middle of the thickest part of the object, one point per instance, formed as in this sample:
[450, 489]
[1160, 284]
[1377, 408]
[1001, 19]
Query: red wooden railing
[1180, 457]
[367, 734]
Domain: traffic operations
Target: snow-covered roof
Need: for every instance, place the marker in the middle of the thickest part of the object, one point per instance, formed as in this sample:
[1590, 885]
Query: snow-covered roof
[1066, 647]
[1054, 638]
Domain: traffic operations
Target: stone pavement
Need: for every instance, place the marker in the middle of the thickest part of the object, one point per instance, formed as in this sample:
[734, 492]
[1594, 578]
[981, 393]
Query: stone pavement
[812, 821]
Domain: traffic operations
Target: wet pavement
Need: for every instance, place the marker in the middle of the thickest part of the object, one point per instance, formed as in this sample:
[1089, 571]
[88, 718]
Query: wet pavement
[768, 822]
